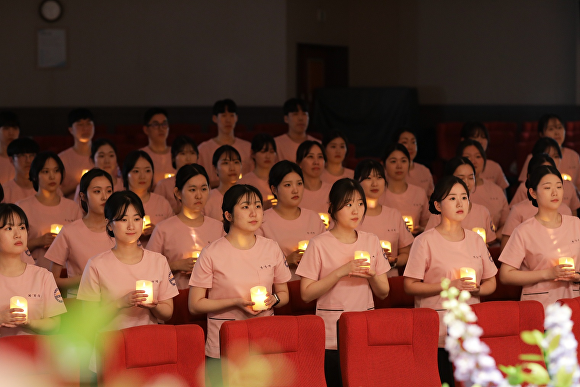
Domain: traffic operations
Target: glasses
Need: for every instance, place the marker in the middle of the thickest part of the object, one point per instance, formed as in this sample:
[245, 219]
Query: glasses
[157, 125]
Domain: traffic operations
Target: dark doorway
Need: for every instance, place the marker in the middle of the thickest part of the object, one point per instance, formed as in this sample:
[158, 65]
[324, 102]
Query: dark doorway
[320, 66]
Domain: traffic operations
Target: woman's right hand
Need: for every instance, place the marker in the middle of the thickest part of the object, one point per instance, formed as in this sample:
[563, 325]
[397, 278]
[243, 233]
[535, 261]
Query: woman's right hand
[246, 306]
[131, 299]
[464, 284]
[11, 318]
[562, 272]
[183, 265]
[354, 268]
[148, 230]
[43, 241]
[294, 257]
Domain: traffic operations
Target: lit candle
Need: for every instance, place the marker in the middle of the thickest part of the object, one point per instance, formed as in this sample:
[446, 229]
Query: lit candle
[240, 177]
[146, 221]
[372, 203]
[168, 175]
[55, 228]
[258, 294]
[272, 199]
[566, 261]
[148, 287]
[363, 255]
[565, 176]
[409, 222]
[481, 232]
[84, 171]
[386, 245]
[195, 256]
[302, 245]
[467, 272]
[20, 303]
[325, 218]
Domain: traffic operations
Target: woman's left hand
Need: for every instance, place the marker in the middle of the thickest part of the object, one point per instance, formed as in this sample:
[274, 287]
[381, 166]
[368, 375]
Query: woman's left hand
[270, 301]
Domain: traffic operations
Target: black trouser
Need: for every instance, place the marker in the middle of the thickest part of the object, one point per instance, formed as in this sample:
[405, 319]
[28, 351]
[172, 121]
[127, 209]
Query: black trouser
[445, 367]
[332, 368]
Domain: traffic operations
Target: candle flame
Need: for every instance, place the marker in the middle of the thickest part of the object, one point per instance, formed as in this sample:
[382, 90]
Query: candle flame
[565, 176]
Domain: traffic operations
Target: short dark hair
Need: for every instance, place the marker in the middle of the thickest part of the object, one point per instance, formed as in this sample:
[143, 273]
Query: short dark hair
[538, 160]
[9, 119]
[395, 146]
[304, 149]
[38, 164]
[293, 104]
[465, 143]
[405, 129]
[536, 176]
[21, 146]
[233, 196]
[117, 204]
[229, 151]
[7, 212]
[545, 143]
[99, 143]
[280, 170]
[452, 165]
[79, 114]
[86, 180]
[474, 129]
[187, 172]
[543, 122]
[149, 113]
[341, 193]
[179, 144]
[365, 168]
[334, 134]
[224, 105]
[442, 189]
[130, 162]
[263, 141]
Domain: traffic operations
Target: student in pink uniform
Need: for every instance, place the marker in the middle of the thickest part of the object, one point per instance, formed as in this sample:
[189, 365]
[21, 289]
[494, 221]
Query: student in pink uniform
[311, 158]
[549, 146]
[486, 192]
[440, 253]
[531, 256]
[477, 216]
[385, 222]
[36, 285]
[229, 267]
[264, 157]
[331, 274]
[77, 158]
[296, 116]
[178, 237]
[287, 223]
[104, 156]
[552, 126]
[225, 117]
[227, 165]
[183, 152]
[138, 171]
[419, 174]
[409, 199]
[335, 147]
[9, 131]
[82, 239]
[47, 206]
[478, 132]
[21, 153]
[156, 127]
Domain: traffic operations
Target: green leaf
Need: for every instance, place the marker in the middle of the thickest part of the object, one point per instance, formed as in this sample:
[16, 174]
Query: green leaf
[537, 375]
[514, 374]
[554, 343]
[531, 357]
[532, 337]
[563, 378]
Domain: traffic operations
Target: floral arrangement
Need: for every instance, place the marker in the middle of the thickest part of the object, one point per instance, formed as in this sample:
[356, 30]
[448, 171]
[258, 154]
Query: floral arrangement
[475, 367]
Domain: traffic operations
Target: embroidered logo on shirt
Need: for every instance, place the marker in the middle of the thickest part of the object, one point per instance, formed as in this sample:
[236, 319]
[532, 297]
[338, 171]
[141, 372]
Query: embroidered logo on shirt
[57, 295]
[575, 240]
[265, 266]
[477, 256]
[310, 232]
[171, 279]
[33, 295]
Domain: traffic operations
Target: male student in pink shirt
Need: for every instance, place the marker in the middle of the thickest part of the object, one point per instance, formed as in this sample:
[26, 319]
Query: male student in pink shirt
[156, 127]
[9, 131]
[296, 116]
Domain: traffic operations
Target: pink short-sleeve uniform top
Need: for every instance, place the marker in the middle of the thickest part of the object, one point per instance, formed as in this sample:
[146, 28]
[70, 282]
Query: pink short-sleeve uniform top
[325, 254]
[421, 176]
[316, 201]
[478, 217]
[523, 211]
[41, 217]
[74, 246]
[161, 164]
[207, 149]
[74, 164]
[173, 239]
[570, 197]
[535, 247]
[37, 285]
[213, 207]
[286, 147]
[331, 179]
[433, 257]
[491, 196]
[13, 193]
[413, 202]
[494, 173]
[229, 272]
[158, 208]
[570, 165]
[107, 279]
[262, 185]
[7, 172]
[388, 226]
[165, 188]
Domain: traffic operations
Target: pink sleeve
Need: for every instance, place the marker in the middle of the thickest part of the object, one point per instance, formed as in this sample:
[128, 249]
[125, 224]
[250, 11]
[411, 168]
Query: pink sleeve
[321, 227]
[167, 287]
[501, 180]
[156, 241]
[519, 196]
[59, 251]
[202, 275]
[418, 260]
[425, 213]
[311, 262]
[489, 268]
[168, 210]
[515, 250]
[53, 304]
[281, 271]
[511, 223]
[434, 220]
[505, 210]
[489, 233]
[524, 173]
[89, 288]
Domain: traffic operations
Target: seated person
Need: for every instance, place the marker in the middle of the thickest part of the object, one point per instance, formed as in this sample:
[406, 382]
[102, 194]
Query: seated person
[156, 127]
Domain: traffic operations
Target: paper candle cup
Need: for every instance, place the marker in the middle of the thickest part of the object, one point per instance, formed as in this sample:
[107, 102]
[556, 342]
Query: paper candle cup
[386, 245]
[259, 295]
[168, 175]
[467, 272]
[302, 245]
[409, 222]
[481, 232]
[566, 261]
[20, 303]
[55, 228]
[148, 287]
[325, 218]
[359, 254]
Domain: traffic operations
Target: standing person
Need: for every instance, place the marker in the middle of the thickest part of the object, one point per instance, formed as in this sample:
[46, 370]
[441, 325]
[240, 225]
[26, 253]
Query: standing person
[156, 127]
[531, 257]
[47, 207]
[287, 223]
[478, 132]
[409, 199]
[225, 117]
[138, 171]
[17, 278]
[264, 157]
[440, 253]
[419, 174]
[183, 152]
[77, 158]
[311, 158]
[9, 131]
[385, 222]
[296, 116]
[227, 165]
[335, 147]
[188, 232]
[331, 274]
[21, 153]
[82, 239]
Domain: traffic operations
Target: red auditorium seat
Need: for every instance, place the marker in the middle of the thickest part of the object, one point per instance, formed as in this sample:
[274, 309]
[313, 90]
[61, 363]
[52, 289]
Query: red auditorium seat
[141, 354]
[574, 304]
[503, 292]
[181, 313]
[293, 346]
[296, 306]
[501, 126]
[395, 347]
[129, 129]
[448, 139]
[530, 127]
[55, 144]
[503, 321]
[501, 150]
[397, 297]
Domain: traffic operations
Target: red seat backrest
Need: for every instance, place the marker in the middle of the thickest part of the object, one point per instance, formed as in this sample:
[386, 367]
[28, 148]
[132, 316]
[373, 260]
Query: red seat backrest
[181, 313]
[394, 347]
[296, 306]
[397, 297]
[574, 304]
[289, 349]
[501, 126]
[503, 292]
[448, 138]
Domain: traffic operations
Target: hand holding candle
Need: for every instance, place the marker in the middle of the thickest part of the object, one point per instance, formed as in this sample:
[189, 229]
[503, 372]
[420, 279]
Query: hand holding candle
[467, 272]
[168, 175]
[359, 254]
[325, 219]
[259, 294]
[408, 222]
[55, 228]
[302, 245]
[272, 200]
[17, 302]
[386, 245]
[146, 221]
[147, 286]
[566, 261]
